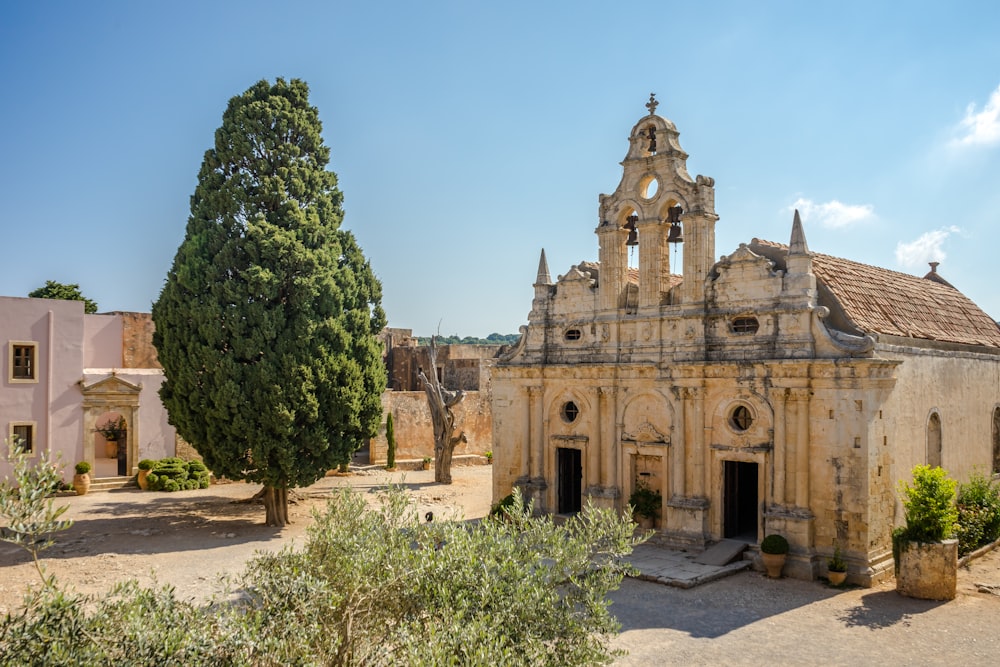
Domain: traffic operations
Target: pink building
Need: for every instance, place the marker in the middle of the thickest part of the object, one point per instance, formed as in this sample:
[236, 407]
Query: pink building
[67, 376]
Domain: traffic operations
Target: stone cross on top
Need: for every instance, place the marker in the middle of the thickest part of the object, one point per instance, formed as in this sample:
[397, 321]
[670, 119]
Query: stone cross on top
[652, 104]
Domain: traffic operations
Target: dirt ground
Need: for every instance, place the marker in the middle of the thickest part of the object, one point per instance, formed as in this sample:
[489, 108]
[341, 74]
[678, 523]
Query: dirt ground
[190, 538]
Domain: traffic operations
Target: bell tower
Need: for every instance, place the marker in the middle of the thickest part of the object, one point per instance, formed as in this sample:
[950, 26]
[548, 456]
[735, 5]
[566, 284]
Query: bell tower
[656, 206]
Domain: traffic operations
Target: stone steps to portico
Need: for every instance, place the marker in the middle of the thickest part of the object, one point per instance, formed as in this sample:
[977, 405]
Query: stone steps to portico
[111, 483]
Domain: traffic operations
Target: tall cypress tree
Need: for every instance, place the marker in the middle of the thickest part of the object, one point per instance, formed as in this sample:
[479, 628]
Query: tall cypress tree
[267, 324]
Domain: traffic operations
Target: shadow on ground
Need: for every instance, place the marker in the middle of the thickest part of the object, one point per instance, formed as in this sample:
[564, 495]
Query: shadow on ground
[164, 524]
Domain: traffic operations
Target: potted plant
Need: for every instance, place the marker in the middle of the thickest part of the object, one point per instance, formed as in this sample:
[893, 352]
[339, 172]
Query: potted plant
[112, 430]
[81, 480]
[773, 550]
[836, 568]
[646, 504]
[924, 552]
[427, 463]
[142, 478]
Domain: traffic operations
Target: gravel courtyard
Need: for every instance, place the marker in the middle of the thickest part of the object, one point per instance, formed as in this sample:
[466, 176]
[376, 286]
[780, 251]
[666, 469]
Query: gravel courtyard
[189, 538]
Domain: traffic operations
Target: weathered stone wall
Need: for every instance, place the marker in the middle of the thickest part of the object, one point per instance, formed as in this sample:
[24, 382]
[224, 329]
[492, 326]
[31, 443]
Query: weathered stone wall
[137, 341]
[415, 433]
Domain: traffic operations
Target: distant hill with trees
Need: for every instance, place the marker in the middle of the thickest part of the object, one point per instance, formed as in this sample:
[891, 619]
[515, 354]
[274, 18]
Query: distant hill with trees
[455, 339]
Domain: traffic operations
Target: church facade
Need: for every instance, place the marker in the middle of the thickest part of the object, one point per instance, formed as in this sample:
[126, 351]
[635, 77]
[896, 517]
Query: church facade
[774, 390]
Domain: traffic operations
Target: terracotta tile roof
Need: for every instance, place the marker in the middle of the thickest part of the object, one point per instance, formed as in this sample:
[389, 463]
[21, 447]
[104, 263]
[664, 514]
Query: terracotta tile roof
[878, 300]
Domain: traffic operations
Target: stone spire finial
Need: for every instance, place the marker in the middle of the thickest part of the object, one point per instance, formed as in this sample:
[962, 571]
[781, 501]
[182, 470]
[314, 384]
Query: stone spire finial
[543, 271]
[797, 244]
[934, 266]
[652, 104]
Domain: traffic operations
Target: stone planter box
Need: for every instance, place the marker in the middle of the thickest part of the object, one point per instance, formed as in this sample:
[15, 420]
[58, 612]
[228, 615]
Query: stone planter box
[928, 571]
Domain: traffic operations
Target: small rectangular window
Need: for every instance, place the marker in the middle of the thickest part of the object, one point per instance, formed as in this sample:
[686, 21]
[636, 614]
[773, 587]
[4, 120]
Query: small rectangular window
[745, 325]
[24, 435]
[23, 361]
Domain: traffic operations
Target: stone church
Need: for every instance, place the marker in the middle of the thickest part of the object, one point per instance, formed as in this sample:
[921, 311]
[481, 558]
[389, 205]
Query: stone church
[774, 390]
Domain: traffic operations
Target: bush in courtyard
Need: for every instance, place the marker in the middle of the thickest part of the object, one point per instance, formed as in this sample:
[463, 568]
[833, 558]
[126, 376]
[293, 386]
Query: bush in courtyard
[929, 505]
[176, 474]
[978, 506]
[371, 586]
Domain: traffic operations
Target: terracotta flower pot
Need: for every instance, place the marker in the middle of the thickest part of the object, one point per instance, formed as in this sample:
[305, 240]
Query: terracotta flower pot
[836, 578]
[773, 563]
[81, 483]
[111, 449]
[142, 480]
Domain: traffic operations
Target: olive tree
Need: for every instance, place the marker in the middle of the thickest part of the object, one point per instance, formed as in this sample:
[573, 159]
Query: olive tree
[267, 323]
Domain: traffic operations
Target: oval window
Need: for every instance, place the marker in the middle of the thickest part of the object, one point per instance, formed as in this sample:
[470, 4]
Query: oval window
[570, 412]
[741, 419]
[573, 334]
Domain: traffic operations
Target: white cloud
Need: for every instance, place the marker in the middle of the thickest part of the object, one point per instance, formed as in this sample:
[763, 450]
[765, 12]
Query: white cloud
[833, 214]
[926, 248]
[983, 128]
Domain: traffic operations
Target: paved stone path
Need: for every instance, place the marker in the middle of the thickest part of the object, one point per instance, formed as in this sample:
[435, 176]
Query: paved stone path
[678, 568]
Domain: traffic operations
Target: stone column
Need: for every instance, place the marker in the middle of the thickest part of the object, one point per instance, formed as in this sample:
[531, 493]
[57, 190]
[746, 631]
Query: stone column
[801, 398]
[614, 265]
[608, 410]
[699, 467]
[651, 258]
[526, 437]
[594, 446]
[679, 445]
[780, 446]
[538, 433]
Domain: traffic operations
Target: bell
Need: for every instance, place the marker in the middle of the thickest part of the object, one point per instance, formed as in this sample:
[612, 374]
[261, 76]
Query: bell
[674, 214]
[652, 140]
[674, 236]
[633, 234]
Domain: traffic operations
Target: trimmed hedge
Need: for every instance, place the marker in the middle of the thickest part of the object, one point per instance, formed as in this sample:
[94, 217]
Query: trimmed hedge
[176, 474]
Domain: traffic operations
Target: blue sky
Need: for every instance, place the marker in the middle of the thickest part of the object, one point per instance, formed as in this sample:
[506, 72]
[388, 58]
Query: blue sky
[469, 135]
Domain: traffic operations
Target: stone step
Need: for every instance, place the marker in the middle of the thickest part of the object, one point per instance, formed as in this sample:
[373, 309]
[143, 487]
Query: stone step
[722, 553]
[109, 483]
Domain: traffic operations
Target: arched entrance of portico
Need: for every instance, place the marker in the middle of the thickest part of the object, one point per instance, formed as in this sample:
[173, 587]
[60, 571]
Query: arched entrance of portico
[103, 401]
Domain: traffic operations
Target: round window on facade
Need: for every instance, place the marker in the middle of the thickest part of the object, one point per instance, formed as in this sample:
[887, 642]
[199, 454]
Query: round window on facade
[741, 419]
[570, 412]
[573, 334]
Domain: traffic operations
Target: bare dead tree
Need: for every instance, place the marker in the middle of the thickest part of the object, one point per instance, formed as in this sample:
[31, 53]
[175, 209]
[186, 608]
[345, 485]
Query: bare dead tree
[441, 401]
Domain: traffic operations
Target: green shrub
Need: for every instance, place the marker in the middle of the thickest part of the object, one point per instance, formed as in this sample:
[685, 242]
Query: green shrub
[929, 505]
[146, 464]
[978, 507]
[176, 474]
[646, 501]
[774, 544]
[82, 468]
[371, 586]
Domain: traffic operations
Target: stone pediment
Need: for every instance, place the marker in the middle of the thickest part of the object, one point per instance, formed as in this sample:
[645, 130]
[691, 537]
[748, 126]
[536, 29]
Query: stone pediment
[576, 275]
[646, 432]
[109, 386]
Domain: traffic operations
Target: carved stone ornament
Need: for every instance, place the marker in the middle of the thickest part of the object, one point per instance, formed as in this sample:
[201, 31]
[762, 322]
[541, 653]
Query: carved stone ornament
[646, 432]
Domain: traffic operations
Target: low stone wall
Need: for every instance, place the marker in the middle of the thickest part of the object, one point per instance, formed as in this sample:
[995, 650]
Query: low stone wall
[415, 433]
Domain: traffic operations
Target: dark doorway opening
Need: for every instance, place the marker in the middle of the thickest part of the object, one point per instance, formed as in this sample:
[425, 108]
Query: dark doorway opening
[740, 500]
[570, 480]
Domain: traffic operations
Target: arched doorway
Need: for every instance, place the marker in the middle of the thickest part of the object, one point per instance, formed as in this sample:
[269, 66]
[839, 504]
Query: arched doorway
[111, 445]
[103, 401]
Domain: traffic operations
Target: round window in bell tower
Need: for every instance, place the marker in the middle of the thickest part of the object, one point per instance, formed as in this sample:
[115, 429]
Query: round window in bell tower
[570, 412]
[648, 187]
